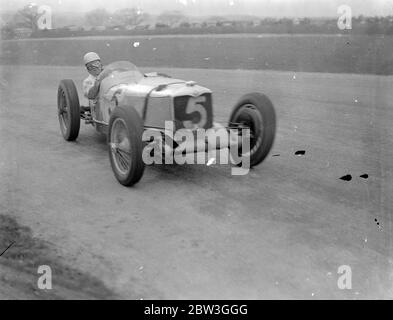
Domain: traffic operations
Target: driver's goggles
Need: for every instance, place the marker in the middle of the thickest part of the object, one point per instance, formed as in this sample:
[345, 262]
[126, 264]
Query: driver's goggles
[93, 65]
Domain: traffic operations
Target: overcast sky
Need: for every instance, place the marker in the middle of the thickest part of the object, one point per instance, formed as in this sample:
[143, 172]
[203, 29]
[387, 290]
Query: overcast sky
[272, 8]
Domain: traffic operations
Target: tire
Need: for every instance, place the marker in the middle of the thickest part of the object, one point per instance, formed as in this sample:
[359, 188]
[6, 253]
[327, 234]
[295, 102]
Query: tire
[68, 109]
[256, 111]
[126, 145]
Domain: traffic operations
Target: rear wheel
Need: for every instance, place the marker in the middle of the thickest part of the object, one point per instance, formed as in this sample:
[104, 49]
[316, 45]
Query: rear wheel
[68, 109]
[125, 145]
[255, 111]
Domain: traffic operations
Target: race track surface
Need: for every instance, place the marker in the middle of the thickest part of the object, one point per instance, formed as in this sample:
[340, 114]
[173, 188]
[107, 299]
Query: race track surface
[282, 231]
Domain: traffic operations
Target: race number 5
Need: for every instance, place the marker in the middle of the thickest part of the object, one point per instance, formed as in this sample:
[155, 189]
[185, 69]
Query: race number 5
[196, 105]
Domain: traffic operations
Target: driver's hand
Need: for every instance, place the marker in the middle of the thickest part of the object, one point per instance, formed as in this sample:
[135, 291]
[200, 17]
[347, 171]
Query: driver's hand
[103, 74]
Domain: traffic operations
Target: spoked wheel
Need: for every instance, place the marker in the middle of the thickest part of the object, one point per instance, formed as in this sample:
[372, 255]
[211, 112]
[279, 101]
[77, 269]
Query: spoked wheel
[68, 110]
[255, 111]
[125, 145]
[120, 146]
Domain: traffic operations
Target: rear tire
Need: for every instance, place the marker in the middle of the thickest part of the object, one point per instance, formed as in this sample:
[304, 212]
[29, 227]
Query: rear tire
[125, 145]
[256, 111]
[68, 109]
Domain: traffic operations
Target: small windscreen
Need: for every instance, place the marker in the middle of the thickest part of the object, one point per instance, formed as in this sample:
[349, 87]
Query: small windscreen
[122, 72]
[121, 66]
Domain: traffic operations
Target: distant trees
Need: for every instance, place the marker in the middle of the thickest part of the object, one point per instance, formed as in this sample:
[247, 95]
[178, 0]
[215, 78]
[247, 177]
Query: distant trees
[28, 20]
[185, 24]
[28, 16]
[8, 32]
[286, 22]
[171, 18]
[305, 21]
[97, 17]
[131, 17]
[25, 19]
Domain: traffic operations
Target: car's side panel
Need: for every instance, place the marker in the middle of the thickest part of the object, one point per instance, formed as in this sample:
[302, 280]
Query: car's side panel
[106, 106]
[137, 102]
[158, 111]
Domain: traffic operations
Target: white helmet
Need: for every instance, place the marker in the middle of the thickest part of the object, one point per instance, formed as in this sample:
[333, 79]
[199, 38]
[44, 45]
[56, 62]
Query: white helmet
[90, 57]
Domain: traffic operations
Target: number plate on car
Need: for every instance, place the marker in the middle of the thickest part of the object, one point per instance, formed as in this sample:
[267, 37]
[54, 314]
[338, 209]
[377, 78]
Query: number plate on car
[193, 112]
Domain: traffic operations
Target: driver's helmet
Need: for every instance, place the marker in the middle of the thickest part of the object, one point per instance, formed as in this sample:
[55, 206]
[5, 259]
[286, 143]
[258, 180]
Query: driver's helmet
[91, 57]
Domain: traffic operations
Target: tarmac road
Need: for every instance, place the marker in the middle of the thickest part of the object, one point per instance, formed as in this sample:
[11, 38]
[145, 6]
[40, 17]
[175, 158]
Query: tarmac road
[195, 231]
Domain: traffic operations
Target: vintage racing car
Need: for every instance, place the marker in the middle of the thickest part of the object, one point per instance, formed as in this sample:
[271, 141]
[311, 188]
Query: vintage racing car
[130, 102]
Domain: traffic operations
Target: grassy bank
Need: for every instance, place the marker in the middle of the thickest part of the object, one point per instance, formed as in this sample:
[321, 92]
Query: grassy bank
[308, 53]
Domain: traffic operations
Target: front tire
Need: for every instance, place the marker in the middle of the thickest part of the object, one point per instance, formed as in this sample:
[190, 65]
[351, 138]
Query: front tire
[68, 109]
[256, 112]
[125, 145]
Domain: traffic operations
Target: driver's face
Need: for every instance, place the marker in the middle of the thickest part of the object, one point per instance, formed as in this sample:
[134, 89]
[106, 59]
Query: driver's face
[94, 67]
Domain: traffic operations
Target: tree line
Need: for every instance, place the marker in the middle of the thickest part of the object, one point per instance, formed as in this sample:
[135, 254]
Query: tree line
[134, 21]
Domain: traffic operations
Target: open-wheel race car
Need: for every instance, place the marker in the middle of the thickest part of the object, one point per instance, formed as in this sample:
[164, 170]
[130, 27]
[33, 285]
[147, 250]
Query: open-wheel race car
[130, 102]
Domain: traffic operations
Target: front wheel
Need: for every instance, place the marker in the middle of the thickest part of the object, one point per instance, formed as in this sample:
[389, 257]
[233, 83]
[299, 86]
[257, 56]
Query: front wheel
[68, 109]
[125, 145]
[255, 111]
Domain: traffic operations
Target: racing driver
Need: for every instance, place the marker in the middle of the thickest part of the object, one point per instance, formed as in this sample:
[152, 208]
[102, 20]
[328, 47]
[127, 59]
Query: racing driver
[91, 84]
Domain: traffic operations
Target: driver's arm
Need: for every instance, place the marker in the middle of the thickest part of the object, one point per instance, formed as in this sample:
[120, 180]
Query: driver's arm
[93, 91]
